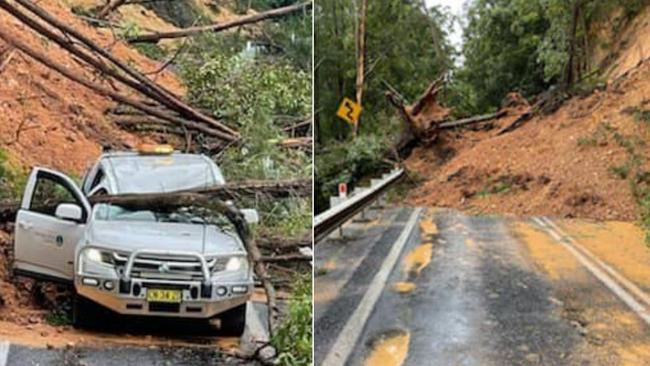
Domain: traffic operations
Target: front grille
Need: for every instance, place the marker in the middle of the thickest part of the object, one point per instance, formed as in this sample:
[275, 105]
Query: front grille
[163, 307]
[169, 267]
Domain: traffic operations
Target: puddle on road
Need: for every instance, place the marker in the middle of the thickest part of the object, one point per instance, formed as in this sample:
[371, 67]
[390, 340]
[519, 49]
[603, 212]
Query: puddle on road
[417, 259]
[404, 287]
[428, 228]
[389, 349]
[329, 265]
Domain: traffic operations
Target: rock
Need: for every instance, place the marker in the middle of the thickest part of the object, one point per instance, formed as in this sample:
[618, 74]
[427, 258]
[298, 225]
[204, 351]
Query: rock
[44, 334]
[523, 348]
[34, 320]
[29, 327]
[49, 345]
[533, 358]
[69, 345]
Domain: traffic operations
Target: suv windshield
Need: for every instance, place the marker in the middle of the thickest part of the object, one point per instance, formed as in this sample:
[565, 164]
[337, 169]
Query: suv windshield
[110, 212]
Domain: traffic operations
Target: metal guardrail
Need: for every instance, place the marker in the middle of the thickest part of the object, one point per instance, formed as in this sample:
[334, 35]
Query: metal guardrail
[329, 220]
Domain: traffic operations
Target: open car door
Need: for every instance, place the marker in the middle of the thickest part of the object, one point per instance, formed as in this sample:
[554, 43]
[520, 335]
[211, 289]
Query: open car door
[49, 225]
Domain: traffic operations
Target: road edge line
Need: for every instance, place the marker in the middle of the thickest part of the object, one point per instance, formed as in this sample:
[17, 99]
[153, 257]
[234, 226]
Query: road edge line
[4, 352]
[617, 276]
[349, 335]
[611, 284]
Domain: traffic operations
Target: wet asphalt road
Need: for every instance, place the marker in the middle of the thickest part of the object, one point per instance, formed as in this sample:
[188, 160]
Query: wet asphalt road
[482, 300]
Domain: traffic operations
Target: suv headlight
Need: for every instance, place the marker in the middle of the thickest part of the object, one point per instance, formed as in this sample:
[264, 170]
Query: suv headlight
[233, 264]
[99, 256]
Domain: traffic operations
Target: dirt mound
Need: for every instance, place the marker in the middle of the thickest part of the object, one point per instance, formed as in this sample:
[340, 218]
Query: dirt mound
[577, 162]
[50, 121]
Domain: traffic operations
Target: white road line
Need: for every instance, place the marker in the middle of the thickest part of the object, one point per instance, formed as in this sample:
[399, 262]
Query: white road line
[347, 339]
[612, 285]
[4, 352]
[612, 272]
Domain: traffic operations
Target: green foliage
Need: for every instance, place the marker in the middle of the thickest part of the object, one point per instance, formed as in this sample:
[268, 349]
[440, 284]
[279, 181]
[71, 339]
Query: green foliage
[12, 181]
[501, 185]
[251, 95]
[58, 318]
[347, 162]
[254, 94]
[293, 338]
[642, 115]
[405, 47]
[248, 89]
[529, 45]
[501, 42]
[151, 50]
[128, 30]
[621, 171]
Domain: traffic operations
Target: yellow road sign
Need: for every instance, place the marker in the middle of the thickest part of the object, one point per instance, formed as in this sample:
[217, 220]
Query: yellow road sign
[349, 111]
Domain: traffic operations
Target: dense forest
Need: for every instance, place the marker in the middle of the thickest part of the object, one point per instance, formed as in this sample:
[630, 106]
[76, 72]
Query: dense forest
[559, 48]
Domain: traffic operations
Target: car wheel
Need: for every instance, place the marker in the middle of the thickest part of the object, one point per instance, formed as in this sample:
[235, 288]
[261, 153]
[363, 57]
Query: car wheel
[233, 321]
[86, 314]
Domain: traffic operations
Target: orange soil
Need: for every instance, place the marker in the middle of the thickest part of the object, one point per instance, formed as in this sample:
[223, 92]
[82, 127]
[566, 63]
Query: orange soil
[560, 164]
[62, 124]
[546, 166]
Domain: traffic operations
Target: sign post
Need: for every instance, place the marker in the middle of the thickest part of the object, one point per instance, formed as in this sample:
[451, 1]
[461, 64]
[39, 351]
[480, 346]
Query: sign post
[343, 190]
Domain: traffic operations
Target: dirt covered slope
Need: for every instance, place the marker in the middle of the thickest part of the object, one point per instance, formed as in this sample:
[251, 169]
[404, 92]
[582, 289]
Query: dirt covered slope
[581, 161]
[46, 119]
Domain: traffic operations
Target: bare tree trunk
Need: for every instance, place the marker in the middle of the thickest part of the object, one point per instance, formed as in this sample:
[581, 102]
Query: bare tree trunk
[45, 61]
[569, 71]
[109, 8]
[361, 42]
[248, 19]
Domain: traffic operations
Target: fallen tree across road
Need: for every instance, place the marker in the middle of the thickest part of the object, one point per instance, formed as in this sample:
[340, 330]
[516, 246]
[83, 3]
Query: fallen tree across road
[472, 120]
[228, 191]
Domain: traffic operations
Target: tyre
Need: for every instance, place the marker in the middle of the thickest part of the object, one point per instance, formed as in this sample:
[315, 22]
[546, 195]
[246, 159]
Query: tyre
[87, 314]
[233, 321]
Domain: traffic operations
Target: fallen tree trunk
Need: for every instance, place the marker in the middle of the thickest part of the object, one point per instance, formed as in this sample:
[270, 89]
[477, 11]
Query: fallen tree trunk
[248, 19]
[287, 258]
[156, 91]
[134, 121]
[297, 143]
[472, 120]
[93, 86]
[277, 243]
[228, 191]
[109, 8]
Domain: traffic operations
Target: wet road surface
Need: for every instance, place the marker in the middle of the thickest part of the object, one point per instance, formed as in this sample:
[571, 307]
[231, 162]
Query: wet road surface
[481, 291]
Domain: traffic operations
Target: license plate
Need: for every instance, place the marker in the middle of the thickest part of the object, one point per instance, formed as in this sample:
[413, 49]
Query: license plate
[170, 296]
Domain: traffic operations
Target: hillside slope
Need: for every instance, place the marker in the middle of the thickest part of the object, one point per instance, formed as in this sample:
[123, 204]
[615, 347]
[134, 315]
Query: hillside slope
[584, 160]
[49, 120]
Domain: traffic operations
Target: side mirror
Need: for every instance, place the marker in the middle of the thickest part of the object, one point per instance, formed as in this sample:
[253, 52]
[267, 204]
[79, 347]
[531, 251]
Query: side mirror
[69, 212]
[250, 215]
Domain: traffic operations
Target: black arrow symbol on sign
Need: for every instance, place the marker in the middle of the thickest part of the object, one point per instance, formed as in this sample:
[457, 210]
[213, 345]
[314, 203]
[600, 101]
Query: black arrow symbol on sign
[350, 108]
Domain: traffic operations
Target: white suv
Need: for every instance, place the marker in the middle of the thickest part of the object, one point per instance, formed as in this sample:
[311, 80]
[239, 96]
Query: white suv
[173, 263]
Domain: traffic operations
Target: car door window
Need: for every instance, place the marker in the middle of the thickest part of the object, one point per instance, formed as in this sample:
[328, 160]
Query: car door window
[98, 178]
[50, 192]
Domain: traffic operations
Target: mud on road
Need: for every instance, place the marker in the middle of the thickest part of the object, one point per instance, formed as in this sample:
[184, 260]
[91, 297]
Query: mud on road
[481, 290]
